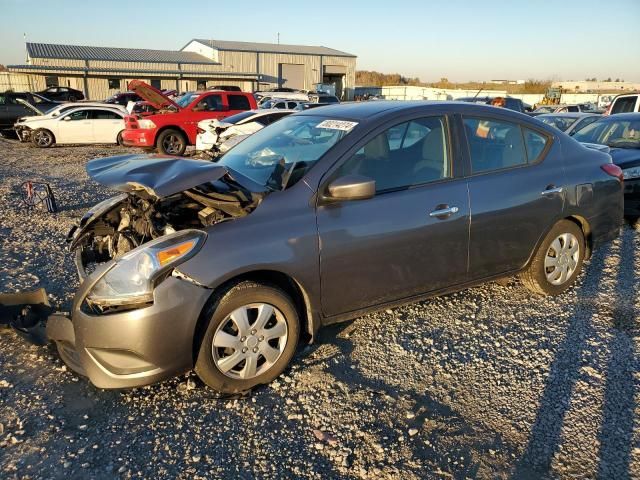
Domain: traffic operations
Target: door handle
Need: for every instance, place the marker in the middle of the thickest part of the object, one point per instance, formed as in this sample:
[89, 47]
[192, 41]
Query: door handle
[551, 191]
[443, 213]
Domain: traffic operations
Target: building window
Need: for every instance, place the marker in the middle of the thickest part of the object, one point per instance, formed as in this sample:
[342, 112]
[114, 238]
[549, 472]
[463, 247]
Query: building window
[114, 83]
[156, 83]
[202, 84]
[51, 81]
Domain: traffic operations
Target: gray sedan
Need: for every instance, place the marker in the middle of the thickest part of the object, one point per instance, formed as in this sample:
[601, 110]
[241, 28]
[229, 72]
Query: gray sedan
[321, 217]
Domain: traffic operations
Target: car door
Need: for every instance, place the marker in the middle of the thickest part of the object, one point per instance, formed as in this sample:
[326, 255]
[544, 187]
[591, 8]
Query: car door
[412, 236]
[516, 191]
[74, 127]
[106, 125]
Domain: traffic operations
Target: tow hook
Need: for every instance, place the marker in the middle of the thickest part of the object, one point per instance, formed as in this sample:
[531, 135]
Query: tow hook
[27, 314]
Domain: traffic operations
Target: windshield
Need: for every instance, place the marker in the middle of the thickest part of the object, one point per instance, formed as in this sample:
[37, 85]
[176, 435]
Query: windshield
[280, 154]
[561, 123]
[618, 133]
[186, 99]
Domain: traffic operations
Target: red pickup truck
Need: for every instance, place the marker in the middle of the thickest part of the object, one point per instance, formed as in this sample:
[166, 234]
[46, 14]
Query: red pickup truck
[174, 127]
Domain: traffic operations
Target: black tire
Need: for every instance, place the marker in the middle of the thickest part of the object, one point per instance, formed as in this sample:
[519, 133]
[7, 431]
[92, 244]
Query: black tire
[238, 296]
[171, 142]
[119, 139]
[535, 277]
[42, 138]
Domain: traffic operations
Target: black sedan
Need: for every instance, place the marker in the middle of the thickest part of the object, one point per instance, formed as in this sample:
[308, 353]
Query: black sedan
[65, 94]
[619, 136]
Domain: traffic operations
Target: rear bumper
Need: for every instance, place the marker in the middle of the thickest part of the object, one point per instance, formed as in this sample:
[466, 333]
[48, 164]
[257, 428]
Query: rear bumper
[133, 348]
[632, 197]
[139, 137]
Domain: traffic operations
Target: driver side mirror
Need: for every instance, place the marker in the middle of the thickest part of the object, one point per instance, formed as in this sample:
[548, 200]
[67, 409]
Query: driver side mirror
[67, 119]
[351, 187]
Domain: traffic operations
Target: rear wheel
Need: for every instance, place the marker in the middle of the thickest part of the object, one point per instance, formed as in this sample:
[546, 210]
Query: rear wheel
[251, 337]
[172, 142]
[557, 261]
[42, 138]
[119, 139]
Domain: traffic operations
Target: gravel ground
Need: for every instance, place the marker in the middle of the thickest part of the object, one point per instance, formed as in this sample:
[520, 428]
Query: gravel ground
[491, 382]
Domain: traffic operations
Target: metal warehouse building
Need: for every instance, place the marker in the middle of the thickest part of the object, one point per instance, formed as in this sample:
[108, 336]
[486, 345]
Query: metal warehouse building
[102, 71]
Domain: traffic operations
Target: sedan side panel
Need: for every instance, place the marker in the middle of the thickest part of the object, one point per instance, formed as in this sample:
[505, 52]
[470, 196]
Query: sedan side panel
[509, 214]
[280, 236]
[389, 247]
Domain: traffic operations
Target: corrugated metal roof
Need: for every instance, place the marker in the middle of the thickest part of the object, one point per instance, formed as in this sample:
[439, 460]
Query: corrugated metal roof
[137, 71]
[78, 52]
[272, 48]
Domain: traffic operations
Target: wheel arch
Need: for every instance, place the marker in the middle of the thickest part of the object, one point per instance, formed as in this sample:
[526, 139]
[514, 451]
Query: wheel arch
[53, 135]
[170, 127]
[308, 323]
[585, 226]
[581, 222]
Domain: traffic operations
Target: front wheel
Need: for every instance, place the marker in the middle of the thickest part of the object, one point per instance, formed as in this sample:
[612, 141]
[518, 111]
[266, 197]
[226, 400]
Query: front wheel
[172, 142]
[119, 139]
[42, 138]
[251, 337]
[557, 261]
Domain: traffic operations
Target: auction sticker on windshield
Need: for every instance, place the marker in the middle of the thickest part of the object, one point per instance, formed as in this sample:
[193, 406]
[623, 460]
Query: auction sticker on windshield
[337, 125]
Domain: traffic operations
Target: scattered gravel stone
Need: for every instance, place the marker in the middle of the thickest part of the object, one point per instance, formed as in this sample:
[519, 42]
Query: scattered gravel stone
[490, 382]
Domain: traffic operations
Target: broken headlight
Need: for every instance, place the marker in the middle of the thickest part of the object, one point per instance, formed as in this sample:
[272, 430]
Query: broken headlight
[132, 279]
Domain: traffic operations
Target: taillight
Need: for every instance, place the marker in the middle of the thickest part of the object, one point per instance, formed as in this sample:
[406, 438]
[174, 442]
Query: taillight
[613, 170]
[131, 122]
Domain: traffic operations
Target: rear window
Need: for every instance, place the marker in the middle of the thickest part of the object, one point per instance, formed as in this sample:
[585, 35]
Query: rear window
[239, 102]
[624, 104]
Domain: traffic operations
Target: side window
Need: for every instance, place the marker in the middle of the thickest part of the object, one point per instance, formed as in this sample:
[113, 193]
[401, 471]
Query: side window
[535, 144]
[114, 83]
[405, 155]
[238, 102]
[624, 105]
[494, 144]
[212, 103]
[79, 115]
[279, 105]
[104, 115]
[3, 100]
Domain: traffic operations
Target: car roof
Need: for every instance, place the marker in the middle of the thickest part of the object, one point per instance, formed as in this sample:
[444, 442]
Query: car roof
[364, 110]
[569, 114]
[633, 116]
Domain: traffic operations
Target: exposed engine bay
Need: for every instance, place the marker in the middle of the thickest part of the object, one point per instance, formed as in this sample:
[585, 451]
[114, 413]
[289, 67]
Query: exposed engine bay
[163, 196]
[139, 218]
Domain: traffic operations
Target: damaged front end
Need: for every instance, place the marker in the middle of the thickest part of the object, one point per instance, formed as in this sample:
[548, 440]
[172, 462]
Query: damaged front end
[134, 314]
[165, 196]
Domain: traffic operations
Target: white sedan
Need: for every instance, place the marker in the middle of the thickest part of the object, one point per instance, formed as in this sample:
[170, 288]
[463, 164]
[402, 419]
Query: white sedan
[24, 125]
[79, 125]
[213, 133]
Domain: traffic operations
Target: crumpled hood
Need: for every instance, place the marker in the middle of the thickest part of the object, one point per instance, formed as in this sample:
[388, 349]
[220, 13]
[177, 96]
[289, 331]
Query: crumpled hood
[158, 175]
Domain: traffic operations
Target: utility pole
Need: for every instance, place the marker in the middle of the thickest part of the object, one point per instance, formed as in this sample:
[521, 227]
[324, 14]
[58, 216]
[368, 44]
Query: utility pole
[278, 38]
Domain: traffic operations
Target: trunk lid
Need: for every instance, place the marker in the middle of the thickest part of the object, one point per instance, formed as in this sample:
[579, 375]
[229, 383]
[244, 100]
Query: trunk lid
[152, 95]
